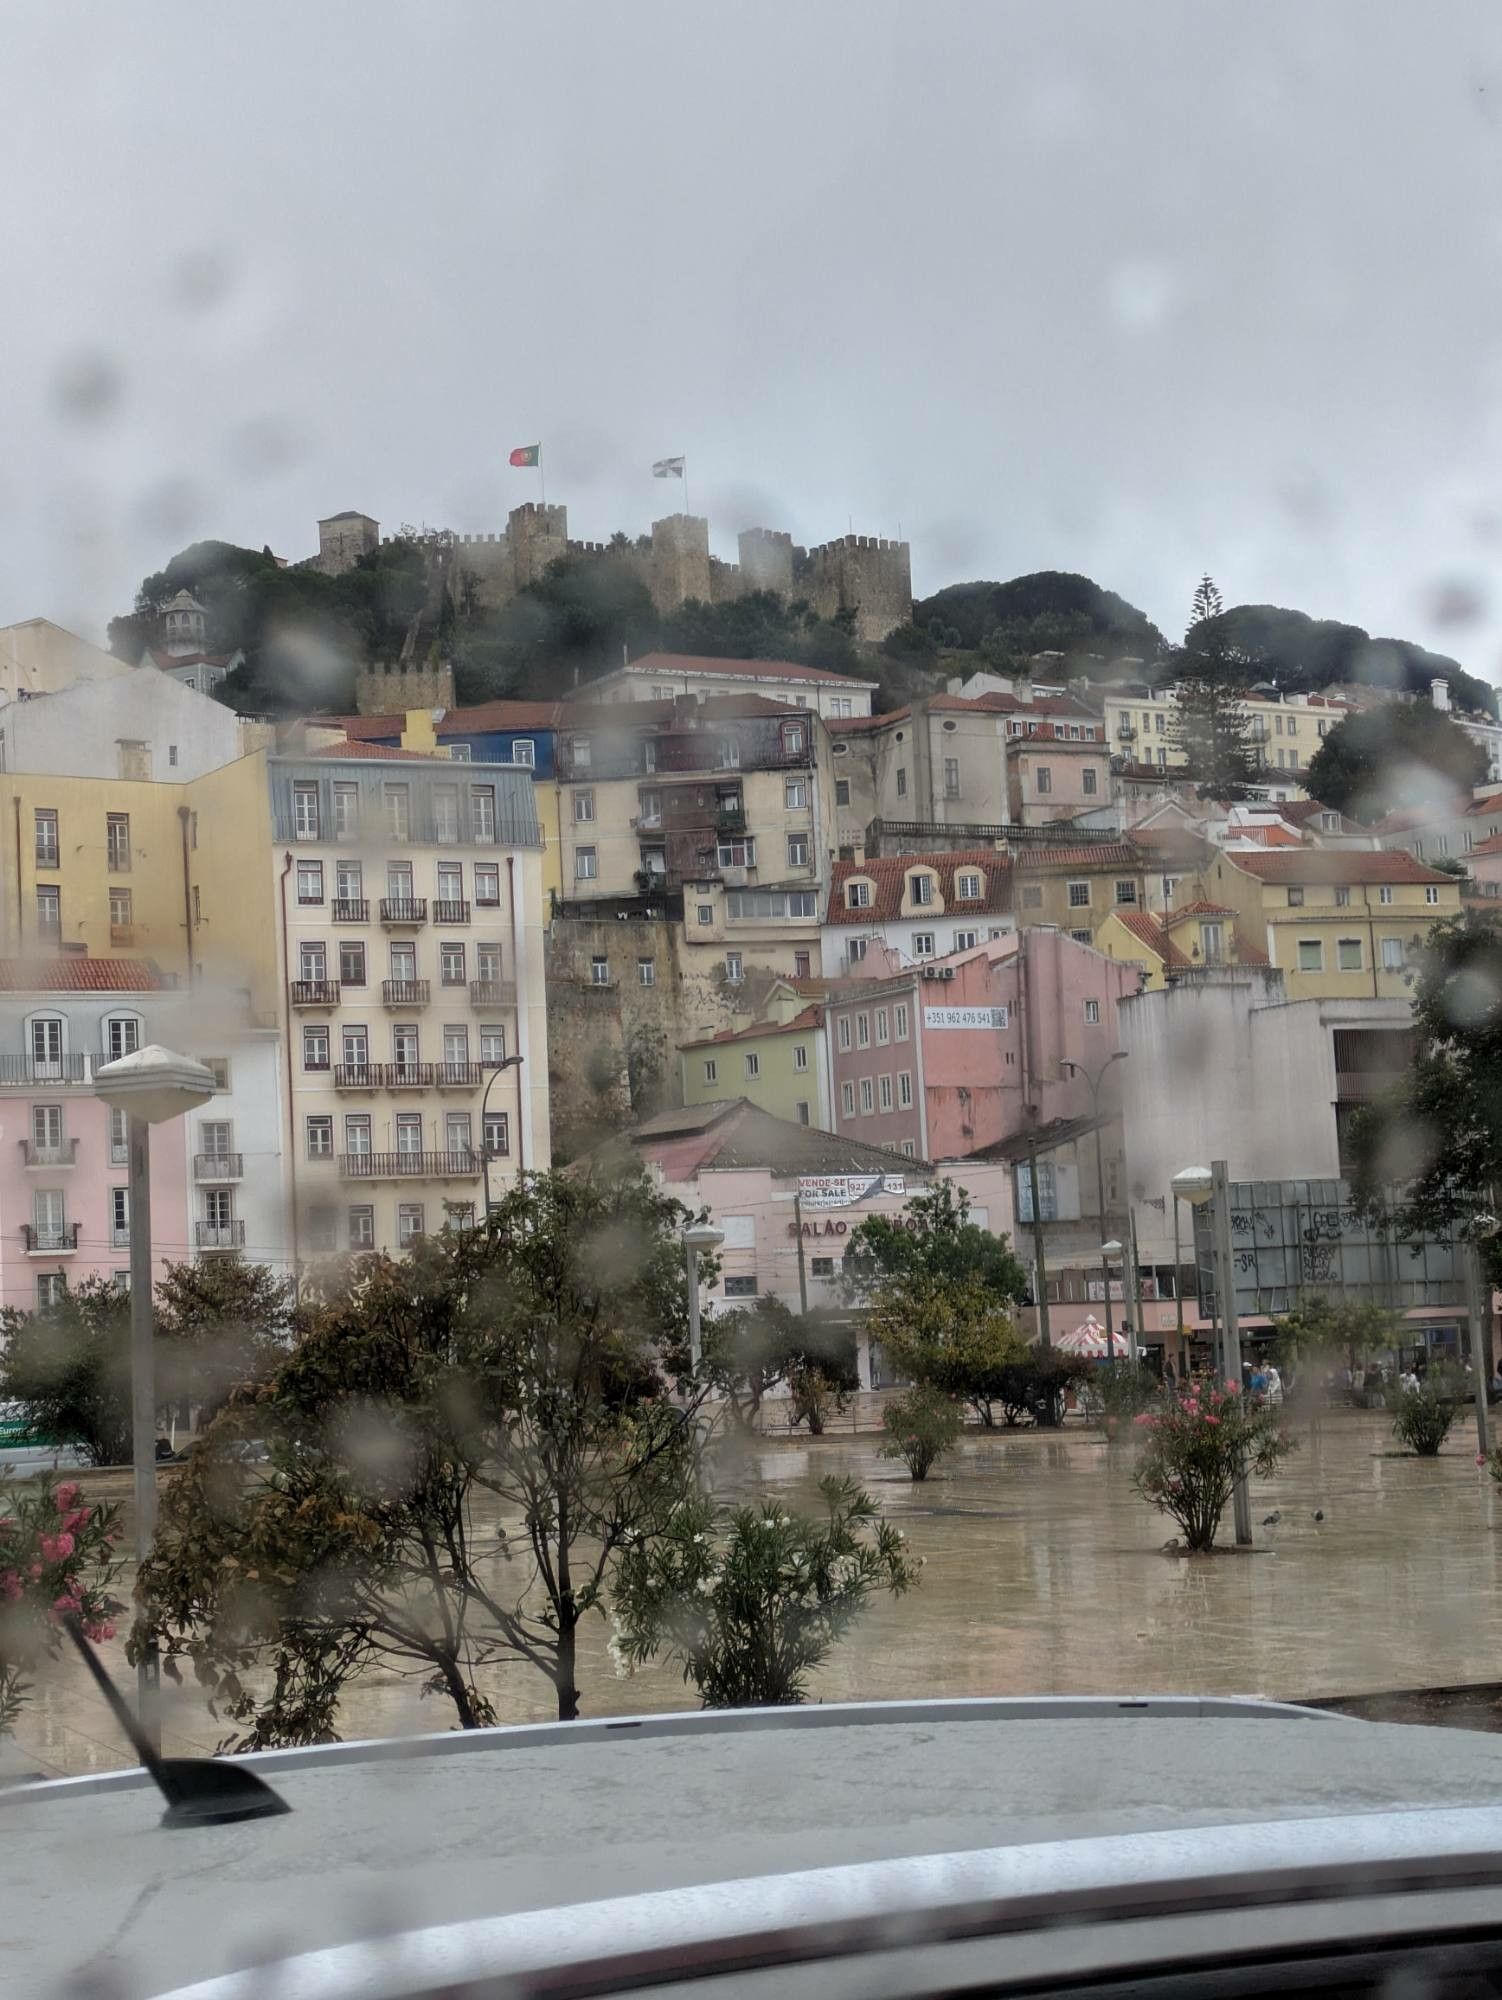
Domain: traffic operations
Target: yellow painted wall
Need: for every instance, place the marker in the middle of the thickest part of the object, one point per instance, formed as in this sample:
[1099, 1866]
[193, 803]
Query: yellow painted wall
[780, 1086]
[1365, 923]
[229, 861]
[1116, 941]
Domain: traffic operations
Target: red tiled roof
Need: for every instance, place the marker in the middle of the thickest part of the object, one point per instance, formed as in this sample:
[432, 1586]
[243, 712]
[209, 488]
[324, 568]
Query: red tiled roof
[1335, 864]
[481, 718]
[1101, 854]
[1200, 909]
[1149, 930]
[888, 873]
[622, 715]
[774, 670]
[811, 1017]
[363, 750]
[1013, 704]
[67, 974]
[165, 659]
[859, 725]
[1491, 845]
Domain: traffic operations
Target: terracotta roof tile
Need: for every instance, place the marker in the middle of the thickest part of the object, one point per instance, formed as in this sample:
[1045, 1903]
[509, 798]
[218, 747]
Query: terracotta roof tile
[1200, 909]
[696, 664]
[1147, 927]
[69, 974]
[1335, 864]
[1099, 854]
[366, 750]
[810, 1017]
[888, 872]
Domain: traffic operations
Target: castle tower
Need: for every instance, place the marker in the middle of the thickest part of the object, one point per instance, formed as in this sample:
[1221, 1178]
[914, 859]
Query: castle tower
[679, 564]
[766, 560]
[536, 535]
[867, 575]
[183, 624]
[343, 539]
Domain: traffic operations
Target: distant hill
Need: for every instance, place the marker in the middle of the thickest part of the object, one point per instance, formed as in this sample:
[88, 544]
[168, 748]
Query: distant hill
[1303, 654]
[1051, 611]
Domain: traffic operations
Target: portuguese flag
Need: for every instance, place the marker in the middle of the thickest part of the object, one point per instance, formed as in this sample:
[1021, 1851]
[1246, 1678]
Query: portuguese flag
[526, 454]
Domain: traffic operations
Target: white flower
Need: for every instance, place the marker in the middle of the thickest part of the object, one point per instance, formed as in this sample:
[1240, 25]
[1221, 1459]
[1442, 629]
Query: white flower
[705, 1586]
[701, 1538]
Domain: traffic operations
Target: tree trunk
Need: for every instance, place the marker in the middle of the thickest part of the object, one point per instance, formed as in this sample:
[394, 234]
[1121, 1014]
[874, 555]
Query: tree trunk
[563, 1675]
[454, 1681]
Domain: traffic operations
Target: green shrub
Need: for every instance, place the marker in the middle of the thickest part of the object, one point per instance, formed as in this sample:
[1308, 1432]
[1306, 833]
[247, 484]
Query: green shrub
[920, 1427]
[1421, 1418]
[1123, 1391]
[1194, 1451]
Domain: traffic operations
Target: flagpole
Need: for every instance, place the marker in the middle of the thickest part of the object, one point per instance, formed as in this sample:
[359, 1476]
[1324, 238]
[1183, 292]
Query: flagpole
[685, 486]
[542, 478]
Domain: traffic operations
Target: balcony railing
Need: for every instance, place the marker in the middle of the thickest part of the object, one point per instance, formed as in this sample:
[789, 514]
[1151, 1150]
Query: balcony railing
[492, 992]
[404, 910]
[461, 1165]
[64, 1155]
[351, 910]
[384, 1076]
[218, 1166]
[451, 912]
[405, 992]
[219, 1235]
[27, 1070]
[50, 1242]
[315, 993]
[461, 1075]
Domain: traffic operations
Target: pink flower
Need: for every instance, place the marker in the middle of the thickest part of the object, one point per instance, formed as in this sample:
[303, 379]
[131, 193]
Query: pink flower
[99, 1632]
[1145, 1418]
[76, 1518]
[1212, 1420]
[35, 1571]
[69, 1601]
[1234, 1387]
[55, 1548]
[67, 1493]
[10, 1586]
[1481, 1458]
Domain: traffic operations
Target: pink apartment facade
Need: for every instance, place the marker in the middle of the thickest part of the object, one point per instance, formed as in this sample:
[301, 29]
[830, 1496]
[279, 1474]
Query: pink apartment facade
[946, 1059]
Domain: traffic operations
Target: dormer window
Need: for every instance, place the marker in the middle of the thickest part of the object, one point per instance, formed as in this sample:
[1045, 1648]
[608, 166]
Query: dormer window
[922, 888]
[857, 895]
[794, 737]
[967, 888]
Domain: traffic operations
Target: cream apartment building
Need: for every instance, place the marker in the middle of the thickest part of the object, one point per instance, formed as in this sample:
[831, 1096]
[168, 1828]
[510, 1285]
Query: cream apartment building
[408, 900]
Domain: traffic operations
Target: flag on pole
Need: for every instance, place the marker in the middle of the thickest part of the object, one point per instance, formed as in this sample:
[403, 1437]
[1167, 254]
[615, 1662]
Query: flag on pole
[526, 454]
[667, 468]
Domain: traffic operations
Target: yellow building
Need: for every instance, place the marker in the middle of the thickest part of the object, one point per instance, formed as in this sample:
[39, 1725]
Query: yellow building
[1285, 731]
[1164, 944]
[1075, 889]
[781, 1063]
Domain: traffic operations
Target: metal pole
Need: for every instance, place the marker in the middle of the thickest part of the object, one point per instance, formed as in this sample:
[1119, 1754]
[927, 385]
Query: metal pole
[1136, 1348]
[1100, 1195]
[1178, 1282]
[693, 1306]
[1476, 1329]
[1230, 1332]
[143, 1404]
[802, 1266]
[1040, 1269]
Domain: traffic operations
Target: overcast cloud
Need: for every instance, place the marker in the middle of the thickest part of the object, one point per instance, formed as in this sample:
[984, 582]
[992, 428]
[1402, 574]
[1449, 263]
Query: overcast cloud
[1129, 288]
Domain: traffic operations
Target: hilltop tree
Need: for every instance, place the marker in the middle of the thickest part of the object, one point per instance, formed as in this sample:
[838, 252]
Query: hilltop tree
[934, 1236]
[1212, 730]
[1206, 604]
[1404, 755]
[1048, 611]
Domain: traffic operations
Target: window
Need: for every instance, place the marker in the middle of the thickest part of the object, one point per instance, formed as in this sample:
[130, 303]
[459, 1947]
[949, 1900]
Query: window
[794, 794]
[842, 791]
[704, 912]
[49, 914]
[1212, 943]
[797, 850]
[398, 811]
[1392, 954]
[857, 895]
[524, 751]
[883, 1027]
[1081, 937]
[120, 909]
[752, 1063]
[841, 704]
[801, 963]
[727, 754]
[901, 781]
[52, 1289]
[855, 951]
[487, 885]
[740, 853]
[119, 1217]
[599, 972]
[1431, 895]
[482, 812]
[446, 813]
[409, 1132]
[46, 837]
[1092, 1013]
[711, 1070]
[951, 777]
[584, 806]
[1384, 894]
[492, 1043]
[362, 1228]
[346, 811]
[122, 1035]
[348, 882]
[1295, 899]
[844, 1031]
[1032, 897]
[921, 888]
[1342, 899]
[868, 1096]
[455, 1046]
[461, 753]
[924, 945]
[733, 967]
[904, 1089]
[357, 1134]
[800, 1055]
[315, 1048]
[498, 1135]
[968, 888]
[740, 1288]
[458, 1136]
[119, 1138]
[884, 1092]
[450, 965]
[1079, 895]
[354, 1045]
[793, 739]
[404, 964]
[1043, 780]
[899, 1021]
[488, 962]
[305, 816]
[1348, 954]
[965, 940]
[320, 1138]
[863, 1031]
[909, 1150]
[312, 960]
[586, 866]
[408, 1223]
[218, 1068]
[1126, 894]
[352, 962]
[310, 881]
[646, 972]
[1311, 955]
[648, 806]
[847, 1099]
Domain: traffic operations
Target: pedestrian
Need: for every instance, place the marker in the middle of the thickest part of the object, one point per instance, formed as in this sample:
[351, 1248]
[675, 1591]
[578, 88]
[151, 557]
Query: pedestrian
[1274, 1386]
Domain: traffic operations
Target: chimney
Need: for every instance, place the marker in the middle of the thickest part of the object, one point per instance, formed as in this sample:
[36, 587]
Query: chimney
[1439, 695]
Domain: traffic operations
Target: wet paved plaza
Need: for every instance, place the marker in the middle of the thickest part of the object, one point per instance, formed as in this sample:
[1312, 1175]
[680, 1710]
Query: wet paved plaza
[1044, 1575]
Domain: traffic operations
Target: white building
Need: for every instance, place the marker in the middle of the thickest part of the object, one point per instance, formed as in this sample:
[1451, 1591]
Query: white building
[663, 676]
[142, 726]
[919, 906]
[38, 657]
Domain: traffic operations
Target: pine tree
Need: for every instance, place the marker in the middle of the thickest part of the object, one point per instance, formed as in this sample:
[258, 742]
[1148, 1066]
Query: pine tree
[1212, 731]
[1206, 603]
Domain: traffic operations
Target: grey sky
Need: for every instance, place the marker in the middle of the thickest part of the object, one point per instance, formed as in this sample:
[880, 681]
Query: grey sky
[1137, 289]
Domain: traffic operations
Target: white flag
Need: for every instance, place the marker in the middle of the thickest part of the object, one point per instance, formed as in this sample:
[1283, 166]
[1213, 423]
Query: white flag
[668, 468]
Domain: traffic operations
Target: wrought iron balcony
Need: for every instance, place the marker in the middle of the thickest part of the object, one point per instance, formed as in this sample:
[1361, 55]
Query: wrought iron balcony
[463, 1164]
[404, 912]
[453, 912]
[219, 1235]
[351, 910]
[384, 1076]
[315, 993]
[27, 1070]
[493, 992]
[405, 992]
[460, 1075]
[64, 1155]
[50, 1242]
[218, 1167]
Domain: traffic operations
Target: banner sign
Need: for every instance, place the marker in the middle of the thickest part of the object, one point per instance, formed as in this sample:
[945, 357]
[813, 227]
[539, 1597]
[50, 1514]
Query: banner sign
[844, 1190]
[964, 1017]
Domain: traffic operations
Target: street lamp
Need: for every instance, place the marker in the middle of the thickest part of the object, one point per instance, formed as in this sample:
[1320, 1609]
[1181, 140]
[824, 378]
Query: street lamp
[506, 1062]
[1481, 1229]
[1107, 1252]
[1193, 1186]
[151, 1086]
[1198, 1185]
[1094, 1084]
[698, 1236]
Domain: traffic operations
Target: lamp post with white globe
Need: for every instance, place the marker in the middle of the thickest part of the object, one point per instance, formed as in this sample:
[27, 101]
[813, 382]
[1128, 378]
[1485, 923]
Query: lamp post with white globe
[151, 1086]
[1196, 1186]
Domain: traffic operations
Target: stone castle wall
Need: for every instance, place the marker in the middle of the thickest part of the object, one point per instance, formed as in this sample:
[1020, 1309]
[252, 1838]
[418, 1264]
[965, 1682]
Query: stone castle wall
[387, 689]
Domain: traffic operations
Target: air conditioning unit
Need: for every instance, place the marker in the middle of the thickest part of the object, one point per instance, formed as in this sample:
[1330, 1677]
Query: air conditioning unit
[930, 972]
[946, 971]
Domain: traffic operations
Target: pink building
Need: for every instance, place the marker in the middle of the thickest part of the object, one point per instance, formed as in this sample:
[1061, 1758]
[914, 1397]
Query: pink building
[945, 1059]
[64, 1211]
